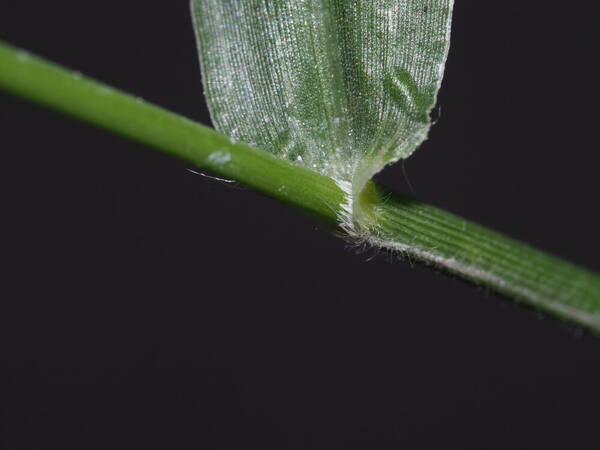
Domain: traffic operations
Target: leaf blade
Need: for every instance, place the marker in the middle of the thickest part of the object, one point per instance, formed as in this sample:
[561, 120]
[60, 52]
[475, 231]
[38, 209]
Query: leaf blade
[341, 87]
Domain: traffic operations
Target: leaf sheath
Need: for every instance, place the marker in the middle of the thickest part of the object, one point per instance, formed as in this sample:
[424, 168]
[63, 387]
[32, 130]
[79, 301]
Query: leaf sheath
[421, 231]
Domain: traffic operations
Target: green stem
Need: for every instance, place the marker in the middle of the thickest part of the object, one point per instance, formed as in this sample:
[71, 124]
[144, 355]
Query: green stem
[417, 230]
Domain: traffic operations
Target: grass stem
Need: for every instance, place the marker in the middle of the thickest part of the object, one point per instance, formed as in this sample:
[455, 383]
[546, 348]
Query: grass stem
[415, 229]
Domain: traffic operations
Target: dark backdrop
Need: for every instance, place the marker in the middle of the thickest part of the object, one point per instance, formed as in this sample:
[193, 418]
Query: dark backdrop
[148, 307]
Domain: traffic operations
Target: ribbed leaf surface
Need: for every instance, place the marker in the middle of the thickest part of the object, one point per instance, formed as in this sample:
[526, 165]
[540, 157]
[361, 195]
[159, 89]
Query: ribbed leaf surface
[342, 87]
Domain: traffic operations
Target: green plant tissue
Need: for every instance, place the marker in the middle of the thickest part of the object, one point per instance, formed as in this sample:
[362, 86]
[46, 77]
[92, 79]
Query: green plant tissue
[342, 87]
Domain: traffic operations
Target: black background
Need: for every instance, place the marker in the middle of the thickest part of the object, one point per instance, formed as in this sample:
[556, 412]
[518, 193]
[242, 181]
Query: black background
[148, 307]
